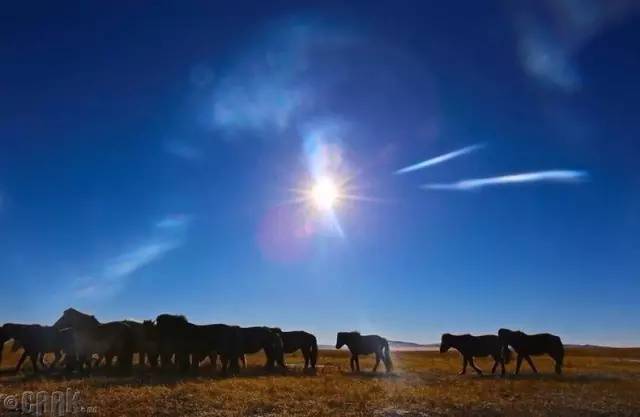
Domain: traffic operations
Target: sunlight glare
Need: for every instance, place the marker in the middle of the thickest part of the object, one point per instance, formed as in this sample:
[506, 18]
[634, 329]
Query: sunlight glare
[324, 193]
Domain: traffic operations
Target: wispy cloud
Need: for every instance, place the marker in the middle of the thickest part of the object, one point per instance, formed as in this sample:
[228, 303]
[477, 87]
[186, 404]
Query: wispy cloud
[440, 159]
[561, 176]
[182, 150]
[168, 234]
[174, 221]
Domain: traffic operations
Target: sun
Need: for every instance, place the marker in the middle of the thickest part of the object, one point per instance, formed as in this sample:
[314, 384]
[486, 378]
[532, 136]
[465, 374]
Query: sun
[325, 194]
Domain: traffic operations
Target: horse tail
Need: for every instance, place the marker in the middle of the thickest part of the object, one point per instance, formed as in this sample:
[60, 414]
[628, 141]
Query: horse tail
[386, 352]
[559, 355]
[313, 351]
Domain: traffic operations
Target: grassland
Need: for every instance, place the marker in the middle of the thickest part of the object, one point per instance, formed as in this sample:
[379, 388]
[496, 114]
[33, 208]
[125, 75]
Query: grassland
[597, 382]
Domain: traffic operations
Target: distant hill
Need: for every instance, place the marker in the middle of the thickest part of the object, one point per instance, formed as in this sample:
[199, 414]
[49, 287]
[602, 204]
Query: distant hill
[400, 345]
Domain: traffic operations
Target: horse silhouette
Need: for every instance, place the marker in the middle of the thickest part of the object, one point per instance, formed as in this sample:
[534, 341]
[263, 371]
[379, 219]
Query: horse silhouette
[108, 340]
[37, 341]
[365, 345]
[536, 344]
[259, 338]
[191, 343]
[303, 341]
[476, 346]
[145, 347]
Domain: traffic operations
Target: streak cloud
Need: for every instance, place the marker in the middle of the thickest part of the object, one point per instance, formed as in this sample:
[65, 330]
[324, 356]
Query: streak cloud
[564, 176]
[440, 159]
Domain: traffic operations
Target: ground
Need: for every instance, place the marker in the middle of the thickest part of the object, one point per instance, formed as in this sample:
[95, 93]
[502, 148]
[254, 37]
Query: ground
[596, 382]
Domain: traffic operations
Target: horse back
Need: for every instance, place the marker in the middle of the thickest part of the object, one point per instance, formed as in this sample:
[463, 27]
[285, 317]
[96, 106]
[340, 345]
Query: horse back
[539, 344]
[479, 346]
[370, 344]
[297, 339]
[486, 345]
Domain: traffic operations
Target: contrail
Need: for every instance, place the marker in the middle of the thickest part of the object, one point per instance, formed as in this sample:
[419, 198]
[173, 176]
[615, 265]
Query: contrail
[440, 159]
[540, 176]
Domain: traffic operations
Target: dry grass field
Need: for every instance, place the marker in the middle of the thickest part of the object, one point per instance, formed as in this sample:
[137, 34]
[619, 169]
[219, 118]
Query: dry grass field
[597, 382]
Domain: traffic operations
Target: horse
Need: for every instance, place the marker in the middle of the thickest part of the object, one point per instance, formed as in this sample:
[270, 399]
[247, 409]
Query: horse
[37, 341]
[144, 346]
[476, 346]
[365, 345]
[171, 333]
[535, 344]
[108, 340]
[253, 339]
[176, 336]
[305, 342]
[215, 340]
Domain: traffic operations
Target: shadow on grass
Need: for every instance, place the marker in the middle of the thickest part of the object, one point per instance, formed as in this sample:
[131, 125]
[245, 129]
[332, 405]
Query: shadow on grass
[146, 376]
[370, 375]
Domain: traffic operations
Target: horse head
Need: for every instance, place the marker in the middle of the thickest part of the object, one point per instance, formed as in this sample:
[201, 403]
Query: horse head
[505, 335]
[445, 343]
[344, 338]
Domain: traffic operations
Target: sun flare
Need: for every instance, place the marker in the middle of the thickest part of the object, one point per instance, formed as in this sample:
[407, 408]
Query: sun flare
[325, 193]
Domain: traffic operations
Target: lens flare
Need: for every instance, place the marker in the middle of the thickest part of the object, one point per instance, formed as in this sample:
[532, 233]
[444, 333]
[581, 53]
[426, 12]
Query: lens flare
[325, 194]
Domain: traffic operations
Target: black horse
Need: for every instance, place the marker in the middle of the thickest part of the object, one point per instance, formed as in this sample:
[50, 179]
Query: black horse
[172, 339]
[213, 340]
[37, 341]
[535, 344]
[476, 346]
[190, 343]
[305, 342]
[90, 337]
[365, 345]
[255, 339]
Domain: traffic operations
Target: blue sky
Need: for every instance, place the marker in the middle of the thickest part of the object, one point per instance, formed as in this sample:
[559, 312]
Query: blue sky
[156, 158]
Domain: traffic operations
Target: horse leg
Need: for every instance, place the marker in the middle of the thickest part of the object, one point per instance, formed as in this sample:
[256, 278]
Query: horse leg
[21, 361]
[243, 359]
[518, 363]
[224, 362]
[165, 359]
[357, 363]
[307, 358]
[558, 358]
[530, 362]
[464, 366]
[352, 363]
[153, 359]
[41, 360]
[34, 361]
[558, 365]
[56, 359]
[495, 365]
[375, 367]
[473, 365]
[109, 360]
